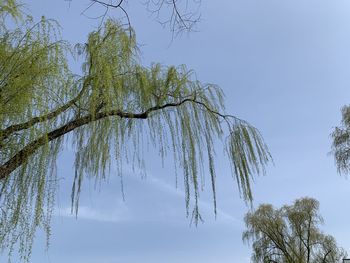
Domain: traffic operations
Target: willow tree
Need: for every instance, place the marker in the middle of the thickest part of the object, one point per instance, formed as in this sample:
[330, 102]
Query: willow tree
[106, 113]
[341, 142]
[290, 234]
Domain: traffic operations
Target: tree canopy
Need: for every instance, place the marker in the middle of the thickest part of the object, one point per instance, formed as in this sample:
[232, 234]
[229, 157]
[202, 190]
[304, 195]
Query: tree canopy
[290, 234]
[108, 112]
[341, 142]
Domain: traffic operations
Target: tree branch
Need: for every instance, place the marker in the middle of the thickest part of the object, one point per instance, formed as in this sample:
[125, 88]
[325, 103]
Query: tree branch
[5, 133]
[325, 256]
[22, 156]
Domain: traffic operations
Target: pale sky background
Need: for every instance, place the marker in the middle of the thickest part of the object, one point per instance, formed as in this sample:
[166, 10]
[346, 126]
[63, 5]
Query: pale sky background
[284, 66]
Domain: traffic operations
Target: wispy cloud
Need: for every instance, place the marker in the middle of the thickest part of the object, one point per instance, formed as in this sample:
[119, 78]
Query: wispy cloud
[204, 205]
[115, 214]
[118, 211]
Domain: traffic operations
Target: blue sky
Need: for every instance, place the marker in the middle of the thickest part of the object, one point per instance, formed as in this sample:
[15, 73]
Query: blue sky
[285, 67]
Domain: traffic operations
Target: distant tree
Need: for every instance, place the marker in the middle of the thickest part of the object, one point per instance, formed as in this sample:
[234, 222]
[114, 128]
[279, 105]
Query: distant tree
[341, 142]
[110, 111]
[290, 234]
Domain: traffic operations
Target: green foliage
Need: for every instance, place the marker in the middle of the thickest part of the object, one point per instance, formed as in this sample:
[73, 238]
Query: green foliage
[290, 234]
[114, 108]
[9, 8]
[33, 66]
[341, 142]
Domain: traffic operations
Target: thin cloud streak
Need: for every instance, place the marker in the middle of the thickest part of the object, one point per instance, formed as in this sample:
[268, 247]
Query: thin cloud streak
[203, 204]
[122, 212]
[116, 215]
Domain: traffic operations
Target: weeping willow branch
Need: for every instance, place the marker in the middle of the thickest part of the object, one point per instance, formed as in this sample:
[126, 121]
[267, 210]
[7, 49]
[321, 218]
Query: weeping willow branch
[22, 126]
[22, 156]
